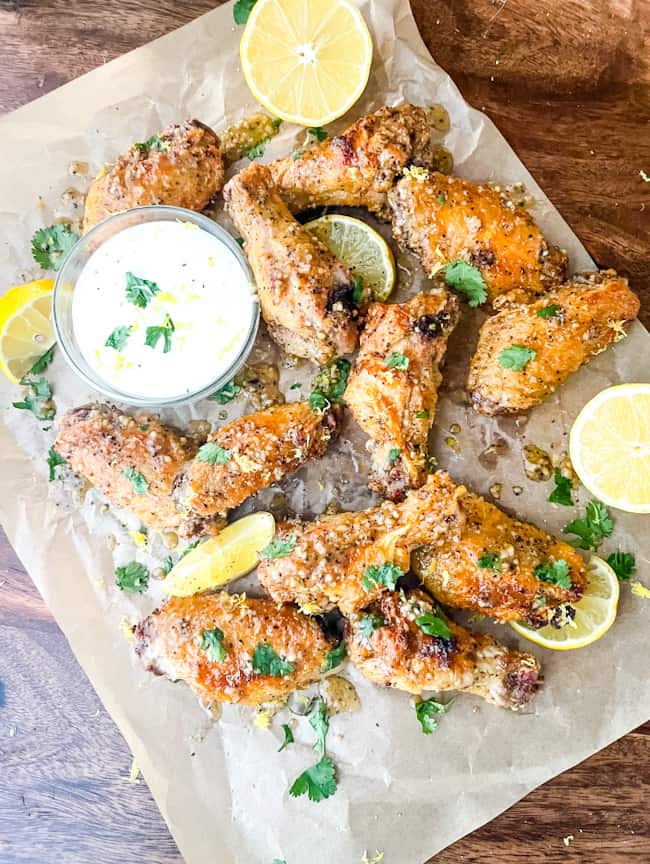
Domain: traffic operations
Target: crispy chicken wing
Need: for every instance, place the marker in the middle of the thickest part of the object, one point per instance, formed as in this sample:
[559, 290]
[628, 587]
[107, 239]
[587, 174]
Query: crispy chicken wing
[252, 453]
[399, 654]
[491, 566]
[357, 167]
[349, 559]
[133, 461]
[306, 295]
[394, 399]
[231, 648]
[564, 329]
[182, 166]
[443, 219]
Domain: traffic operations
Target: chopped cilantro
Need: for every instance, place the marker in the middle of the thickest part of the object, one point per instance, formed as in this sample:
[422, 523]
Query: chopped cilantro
[318, 402]
[592, 529]
[427, 712]
[140, 291]
[227, 393]
[295, 156]
[267, 662]
[279, 547]
[440, 198]
[239, 241]
[53, 462]
[317, 782]
[320, 723]
[623, 564]
[167, 565]
[517, 357]
[134, 578]
[288, 737]
[386, 574]
[551, 311]
[335, 657]
[138, 482]
[42, 363]
[357, 293]
[562, 492]
[329, 385]
[296, 386]
[256, 150]
[393, 455]
[490, 561]
[51, 245]
[39, 398]
[555, 572]
[155, 142]
[165, 330]
[118, 338]
[422, 415]
[369, 623]
[241, 10]
[433, 625]
[213, 454]
[468, 280]
[317, 132]
[212, 643]
[397, 361]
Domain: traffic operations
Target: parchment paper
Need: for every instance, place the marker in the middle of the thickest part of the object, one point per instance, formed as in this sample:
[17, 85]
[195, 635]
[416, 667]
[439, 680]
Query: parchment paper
[222, 787]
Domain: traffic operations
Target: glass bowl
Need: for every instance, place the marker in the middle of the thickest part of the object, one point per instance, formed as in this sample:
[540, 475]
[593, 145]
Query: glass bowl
[76, 260]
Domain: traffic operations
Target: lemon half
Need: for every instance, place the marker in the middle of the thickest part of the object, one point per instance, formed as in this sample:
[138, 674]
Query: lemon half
[25, 327]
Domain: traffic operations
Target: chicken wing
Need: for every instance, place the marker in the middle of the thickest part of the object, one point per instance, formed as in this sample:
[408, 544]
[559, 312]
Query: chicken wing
[389, 648]
[251, 453]
[357, 167]
[501, 567]
[349, 559]
[181, 166]
[393, 387]
[133, 461]
[443, 219]
[306, 295]
[553, 336]
[231, 648]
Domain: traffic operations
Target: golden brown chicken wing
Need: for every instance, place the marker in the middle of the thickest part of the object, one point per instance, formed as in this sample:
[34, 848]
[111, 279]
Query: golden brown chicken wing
[133, 461]
[252, 453]
[444, 219]
[349, 559]
[182, 166]
[527, 350]
[306, 295]
[500, 567]
[357, 167]
[393, 387]
[231, 648]
[389, 644]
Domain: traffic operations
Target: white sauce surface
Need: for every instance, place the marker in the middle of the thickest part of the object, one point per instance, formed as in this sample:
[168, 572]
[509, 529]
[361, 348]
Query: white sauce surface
[203, 290]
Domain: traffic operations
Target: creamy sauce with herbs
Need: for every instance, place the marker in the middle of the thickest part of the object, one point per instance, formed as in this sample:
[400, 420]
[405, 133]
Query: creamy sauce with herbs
[162, 309]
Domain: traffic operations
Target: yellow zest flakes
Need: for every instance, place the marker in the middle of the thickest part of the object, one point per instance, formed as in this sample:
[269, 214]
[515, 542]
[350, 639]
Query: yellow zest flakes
[127, 629]
[440, 264]
[134, 773]
[120, 360]
[377, 858]
[237, 600]
[166, 297]
[246, 464]
[640, 590]
[262, 719]
[210, 260]
[310, 609]
[618, 328]
[139, 538]
[103, 171]
[416, 172]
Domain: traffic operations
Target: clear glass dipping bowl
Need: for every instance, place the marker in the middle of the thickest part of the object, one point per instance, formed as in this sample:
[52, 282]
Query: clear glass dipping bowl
[78, 257]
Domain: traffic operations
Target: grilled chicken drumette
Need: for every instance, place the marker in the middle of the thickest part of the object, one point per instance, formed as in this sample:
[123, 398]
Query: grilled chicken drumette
[182, 166]
[393, 387]
[306, 295]
[443, 219]
[554, 336]
[388, 645]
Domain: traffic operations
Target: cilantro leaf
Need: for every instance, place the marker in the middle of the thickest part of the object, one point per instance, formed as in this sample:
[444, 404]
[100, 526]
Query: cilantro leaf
[212, 643]
[551, 311]
[288, 737]
[140, 291]
[257, 149]
[118, 338]
[279, 547]
[623, 564]
[357, 292]
[516, 357]
[387, 574]
[227, 393]
[42, 363]
[296, 155]
[267, 662]
[242, 9]
[397, 361]
[138, 482]
[427, 712]
[39, 398]
[317, 132]
[440, 198]
[592, 529]
[154, 142]
[53, 462]
[329, 385]
[134, 578]
[467, 279]
[213, 454]
[433, 625]
[555, 572]
[165, 330]
[422, 415]
[51, 245]
[335, 657]
[317, 782]
[490, 561]
[189, 548]
[562, 492]
[167, 565]
[278, 861]
[320, 723]
[318, 402]
[393, 455]
[369, 623]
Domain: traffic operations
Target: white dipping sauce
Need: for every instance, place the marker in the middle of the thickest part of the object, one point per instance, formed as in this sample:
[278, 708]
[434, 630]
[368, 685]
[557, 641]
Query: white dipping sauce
[204, 301]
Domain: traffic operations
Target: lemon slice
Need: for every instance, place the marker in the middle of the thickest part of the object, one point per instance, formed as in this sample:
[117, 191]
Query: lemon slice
[594, 614]
[610, 447]
[231, 554]
[25, 327]
[360, 247]
[306, 62]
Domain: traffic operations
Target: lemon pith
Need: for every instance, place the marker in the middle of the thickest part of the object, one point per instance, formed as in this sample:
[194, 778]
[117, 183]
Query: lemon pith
[25, 326]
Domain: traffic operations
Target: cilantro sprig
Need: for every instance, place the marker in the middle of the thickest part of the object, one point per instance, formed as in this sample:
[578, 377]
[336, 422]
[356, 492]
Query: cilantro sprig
[623, 564]
[553, 310]
[556, 572]
[163, 330]
[369, 623]
[385, 574]
[591, 529]
[467, 280]
[319, 781]
[133, 578]
[227, 393]
[335, 657]
[490, 561]
[279, 547]
[561, 494]
[118, 338]
[43, 362]
[267, 662]
[53, 462]
[37, 399]
[154, 142]
[397, 360]
[433, 625]
[213, 454]
[329, 385]
[140, 291]
[428, 711]
[138, 481]
[212, 643]
[317, 132]
[51, 245]
[516, 357]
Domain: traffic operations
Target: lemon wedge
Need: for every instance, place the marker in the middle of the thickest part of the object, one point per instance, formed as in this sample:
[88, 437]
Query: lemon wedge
[25, 327]
[594, 614]
[364, 251]
[228, 556]
[609, 446]
[306, 62]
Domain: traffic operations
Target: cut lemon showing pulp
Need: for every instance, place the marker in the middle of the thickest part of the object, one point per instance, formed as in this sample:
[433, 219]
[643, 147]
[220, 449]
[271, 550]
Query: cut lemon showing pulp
[364, 251]
[231, 554]
[594, 614]
[25, 327]
[610, 447]
[306, 61]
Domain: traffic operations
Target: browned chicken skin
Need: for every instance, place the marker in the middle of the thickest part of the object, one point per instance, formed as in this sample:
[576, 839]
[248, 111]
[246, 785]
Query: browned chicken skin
[359, 166]
[306, 295]
[443, 219]
[260, 449]
[396, 406]
[169, 643]
[589, 314]
[398, 654]
[328, 565]
[182, 167]
[489, 567]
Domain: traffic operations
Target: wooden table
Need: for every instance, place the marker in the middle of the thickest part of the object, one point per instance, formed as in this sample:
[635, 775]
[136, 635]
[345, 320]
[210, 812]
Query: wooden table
[569, 85]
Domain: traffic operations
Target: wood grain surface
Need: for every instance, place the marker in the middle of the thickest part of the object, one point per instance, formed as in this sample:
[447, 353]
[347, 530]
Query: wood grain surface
[569, 85]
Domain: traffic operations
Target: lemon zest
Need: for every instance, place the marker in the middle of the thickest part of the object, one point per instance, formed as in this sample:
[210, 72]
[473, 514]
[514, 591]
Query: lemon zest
[640, 590]
[134, 773]
[416, 172]
[138, 537]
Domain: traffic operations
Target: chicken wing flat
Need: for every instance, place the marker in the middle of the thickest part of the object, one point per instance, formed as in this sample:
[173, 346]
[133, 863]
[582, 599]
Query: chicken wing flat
[252, 453]
[555, 336]
[231, 648]
[133, 461]
[501, 567]
[182, 166]
[388, 646]
[393, 387]
[443, 219]
[306, 295]
[359, 166]
[349, 559]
